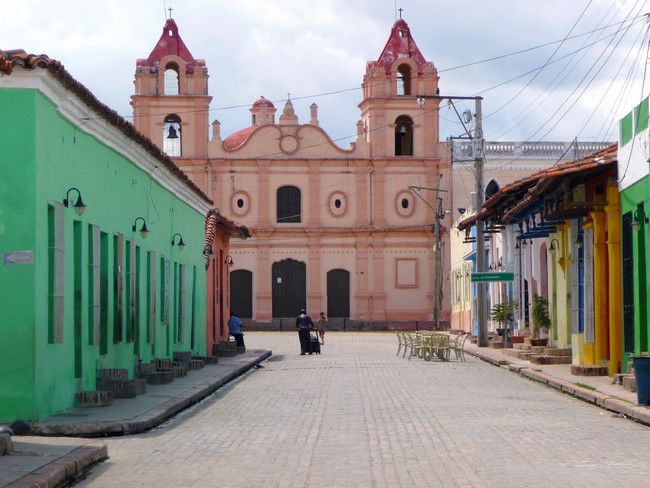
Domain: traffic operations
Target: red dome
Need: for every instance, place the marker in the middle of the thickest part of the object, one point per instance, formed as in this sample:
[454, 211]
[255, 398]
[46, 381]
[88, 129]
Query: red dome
[233, 141]
[262, 100]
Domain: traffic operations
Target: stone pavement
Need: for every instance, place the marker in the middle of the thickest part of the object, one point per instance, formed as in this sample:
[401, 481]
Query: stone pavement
[599, 390]
[48, 461]
[358, 416]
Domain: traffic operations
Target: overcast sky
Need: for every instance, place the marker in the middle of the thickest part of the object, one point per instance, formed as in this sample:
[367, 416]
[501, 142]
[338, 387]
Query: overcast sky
[311, 48]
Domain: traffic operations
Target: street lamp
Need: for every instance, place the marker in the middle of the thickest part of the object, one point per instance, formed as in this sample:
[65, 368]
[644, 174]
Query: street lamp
[79, 207]
[638, 218]
[143, 230]
[579, 240]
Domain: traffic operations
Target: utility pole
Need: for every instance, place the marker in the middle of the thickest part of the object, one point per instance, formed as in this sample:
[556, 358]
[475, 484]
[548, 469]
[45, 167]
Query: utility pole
[477, 138]
[439, 214]
[481, 299]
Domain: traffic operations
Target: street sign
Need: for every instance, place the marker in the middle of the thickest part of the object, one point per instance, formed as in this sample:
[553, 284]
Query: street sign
[491, 277]
[18, 257]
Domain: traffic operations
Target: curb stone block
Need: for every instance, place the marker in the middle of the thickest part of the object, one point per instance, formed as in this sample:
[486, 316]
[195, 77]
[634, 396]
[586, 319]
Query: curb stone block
[629, 383]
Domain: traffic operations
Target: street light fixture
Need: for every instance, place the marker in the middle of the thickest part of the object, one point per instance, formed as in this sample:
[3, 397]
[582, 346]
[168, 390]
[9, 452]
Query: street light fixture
[79, 206]
[143, 230]
[638, 218]
[180, 243]
[579, 240]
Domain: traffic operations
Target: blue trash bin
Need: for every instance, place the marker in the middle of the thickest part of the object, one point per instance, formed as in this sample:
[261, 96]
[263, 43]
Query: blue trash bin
[642, 376]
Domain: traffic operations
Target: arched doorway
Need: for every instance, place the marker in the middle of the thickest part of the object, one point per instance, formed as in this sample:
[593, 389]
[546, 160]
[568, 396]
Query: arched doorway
[338, 293]
[241, 293]
[289, 288]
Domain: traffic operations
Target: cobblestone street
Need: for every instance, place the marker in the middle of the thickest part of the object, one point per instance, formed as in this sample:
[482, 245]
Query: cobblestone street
[359, 416]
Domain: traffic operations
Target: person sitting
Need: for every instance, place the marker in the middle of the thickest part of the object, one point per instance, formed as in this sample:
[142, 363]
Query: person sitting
[235, 327]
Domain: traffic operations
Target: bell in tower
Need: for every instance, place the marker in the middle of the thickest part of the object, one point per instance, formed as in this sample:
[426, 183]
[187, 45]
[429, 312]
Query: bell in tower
[396, 124]
[169, 83]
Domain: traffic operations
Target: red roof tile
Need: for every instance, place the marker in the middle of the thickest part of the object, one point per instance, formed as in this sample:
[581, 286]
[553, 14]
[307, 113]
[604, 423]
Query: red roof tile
[527, 190]
[213, 219]
[170, 42]
[233, 141]
[401, 44]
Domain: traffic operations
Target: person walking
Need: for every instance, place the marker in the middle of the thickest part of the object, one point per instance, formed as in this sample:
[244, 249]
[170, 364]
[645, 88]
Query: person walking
[321, 327]
[235, 328]
[304, 324]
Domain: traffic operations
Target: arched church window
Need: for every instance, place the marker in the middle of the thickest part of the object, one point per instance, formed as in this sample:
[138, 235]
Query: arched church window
[172, 80]
[288, 204]
[491, 189]
[172, 137]
[403, 136]
[404, 80]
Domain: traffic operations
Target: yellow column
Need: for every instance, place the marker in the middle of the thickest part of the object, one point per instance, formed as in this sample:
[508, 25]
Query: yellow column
[589, 355]
[614, 281]
[601, 289]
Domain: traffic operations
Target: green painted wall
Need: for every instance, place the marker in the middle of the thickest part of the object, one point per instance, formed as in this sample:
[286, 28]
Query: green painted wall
[43, 156]
[17, 282]
[635, 198]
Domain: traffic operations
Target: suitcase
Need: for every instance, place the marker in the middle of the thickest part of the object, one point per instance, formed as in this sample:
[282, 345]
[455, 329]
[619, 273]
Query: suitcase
[314, 345]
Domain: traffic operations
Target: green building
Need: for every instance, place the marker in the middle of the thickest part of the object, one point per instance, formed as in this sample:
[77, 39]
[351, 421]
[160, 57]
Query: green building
[82, 291]
[634, 184]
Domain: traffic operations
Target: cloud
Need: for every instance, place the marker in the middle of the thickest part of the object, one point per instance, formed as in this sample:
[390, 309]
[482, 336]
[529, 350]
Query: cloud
[308, 48]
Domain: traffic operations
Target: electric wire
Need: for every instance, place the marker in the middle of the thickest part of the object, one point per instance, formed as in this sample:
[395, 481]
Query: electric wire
[499, 57]
[539, 71]
[567, 99]
[613, 80]
[588, 84]
[345, 90]
[621, 99]
[638, 119]
[526, 112]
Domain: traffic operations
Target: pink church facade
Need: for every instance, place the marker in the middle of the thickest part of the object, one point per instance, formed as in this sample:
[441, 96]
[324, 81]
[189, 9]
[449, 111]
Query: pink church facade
[333, 229]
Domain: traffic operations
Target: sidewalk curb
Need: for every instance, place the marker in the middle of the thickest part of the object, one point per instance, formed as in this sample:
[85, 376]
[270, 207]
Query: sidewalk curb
[151, 419]
[63, 469]
[637, 413]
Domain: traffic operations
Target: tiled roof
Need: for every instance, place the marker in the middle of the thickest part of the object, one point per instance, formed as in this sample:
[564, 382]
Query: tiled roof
[170, 42]
[213, 219]
[517, 196]
[11, 59]
[233, 141]
[400, 44]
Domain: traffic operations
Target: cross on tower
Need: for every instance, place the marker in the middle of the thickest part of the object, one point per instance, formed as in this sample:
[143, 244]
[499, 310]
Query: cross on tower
[400, 12]
[170, 12]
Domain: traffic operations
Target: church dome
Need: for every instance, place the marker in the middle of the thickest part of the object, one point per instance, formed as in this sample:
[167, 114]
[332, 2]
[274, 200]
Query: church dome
[233, 141]
[262, 100]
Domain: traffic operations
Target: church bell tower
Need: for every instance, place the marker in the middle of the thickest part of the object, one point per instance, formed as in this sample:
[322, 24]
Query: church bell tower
[396, 121]
[171, 102]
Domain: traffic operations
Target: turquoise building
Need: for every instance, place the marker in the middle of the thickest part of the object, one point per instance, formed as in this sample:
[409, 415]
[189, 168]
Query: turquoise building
[92, 218]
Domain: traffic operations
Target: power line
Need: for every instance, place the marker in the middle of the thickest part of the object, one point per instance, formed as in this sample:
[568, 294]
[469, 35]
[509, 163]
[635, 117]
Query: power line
[523, 51]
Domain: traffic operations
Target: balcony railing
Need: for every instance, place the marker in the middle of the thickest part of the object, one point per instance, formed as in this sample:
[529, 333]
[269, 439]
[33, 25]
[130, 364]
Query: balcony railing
[467, 149]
